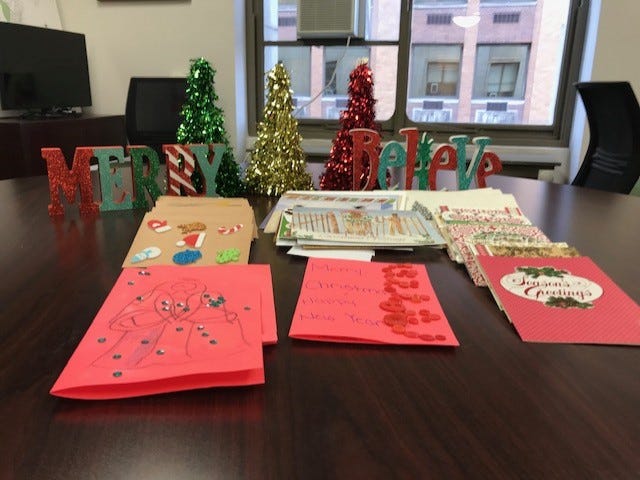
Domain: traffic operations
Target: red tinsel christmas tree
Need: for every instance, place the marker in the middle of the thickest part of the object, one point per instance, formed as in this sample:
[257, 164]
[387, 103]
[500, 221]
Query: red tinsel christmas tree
[360, 113]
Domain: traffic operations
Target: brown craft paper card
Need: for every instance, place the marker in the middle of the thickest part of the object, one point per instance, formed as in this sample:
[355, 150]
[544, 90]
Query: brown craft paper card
[206, 234]
[170, 205]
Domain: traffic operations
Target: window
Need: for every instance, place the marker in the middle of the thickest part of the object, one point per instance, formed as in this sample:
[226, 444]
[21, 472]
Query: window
[500, 71]
[297, 61]
[338, 64]
[442, 78]
[439, 19]
[431, 3]
[502, 2]
[506, 17]
[436, 71]
[428, 69]
[501, 79]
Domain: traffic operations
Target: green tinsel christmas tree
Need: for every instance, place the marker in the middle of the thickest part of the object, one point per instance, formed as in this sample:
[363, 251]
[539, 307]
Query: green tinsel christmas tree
[278, 161]
[203, 122]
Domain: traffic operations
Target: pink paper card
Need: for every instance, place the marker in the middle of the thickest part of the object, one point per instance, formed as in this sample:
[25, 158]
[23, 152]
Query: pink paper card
[362, 302]
[562, 300]
[164, 329]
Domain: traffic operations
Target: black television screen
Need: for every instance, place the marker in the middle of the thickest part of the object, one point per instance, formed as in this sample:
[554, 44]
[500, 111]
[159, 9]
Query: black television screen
[42, 68]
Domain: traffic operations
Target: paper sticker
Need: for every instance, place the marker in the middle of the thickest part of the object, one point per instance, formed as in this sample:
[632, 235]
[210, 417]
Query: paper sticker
[194, 240]
[159, 226]
[226, 231]
[227, 256]
[192, 227]
[150, 252]
[187, 257]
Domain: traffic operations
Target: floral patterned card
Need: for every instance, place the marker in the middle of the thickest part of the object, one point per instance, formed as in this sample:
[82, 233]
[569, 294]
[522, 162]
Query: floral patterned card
[465, 234]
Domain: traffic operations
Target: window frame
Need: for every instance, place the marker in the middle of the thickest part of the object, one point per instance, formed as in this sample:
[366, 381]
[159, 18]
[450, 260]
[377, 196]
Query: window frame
[555, 135]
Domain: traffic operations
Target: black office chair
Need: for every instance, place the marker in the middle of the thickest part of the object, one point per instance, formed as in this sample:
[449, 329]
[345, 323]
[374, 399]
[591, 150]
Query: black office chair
[612, 161]
[153, 110]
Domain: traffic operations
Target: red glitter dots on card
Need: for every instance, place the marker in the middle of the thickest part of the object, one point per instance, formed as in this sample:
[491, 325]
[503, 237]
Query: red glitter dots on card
[402, 306]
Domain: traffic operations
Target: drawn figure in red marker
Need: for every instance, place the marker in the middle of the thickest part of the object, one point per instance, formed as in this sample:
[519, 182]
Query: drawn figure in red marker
[176, 322]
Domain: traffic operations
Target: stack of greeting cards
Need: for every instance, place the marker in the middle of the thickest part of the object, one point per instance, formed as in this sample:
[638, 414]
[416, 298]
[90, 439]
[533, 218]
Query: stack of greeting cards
[194, 231]
[464, 227]
[167, 328]
[547, 290]
[347, 224]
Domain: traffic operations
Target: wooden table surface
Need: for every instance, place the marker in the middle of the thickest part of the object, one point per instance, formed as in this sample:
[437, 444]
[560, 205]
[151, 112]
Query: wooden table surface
[494, 407]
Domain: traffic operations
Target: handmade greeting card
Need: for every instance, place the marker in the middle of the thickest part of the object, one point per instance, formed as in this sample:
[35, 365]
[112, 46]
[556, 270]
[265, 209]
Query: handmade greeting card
[177, 206]
[212, 236]
[562, 300]
[165, 329]
[361, 302]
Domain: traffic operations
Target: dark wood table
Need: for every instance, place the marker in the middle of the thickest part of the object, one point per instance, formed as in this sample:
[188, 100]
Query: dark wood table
[493, 408]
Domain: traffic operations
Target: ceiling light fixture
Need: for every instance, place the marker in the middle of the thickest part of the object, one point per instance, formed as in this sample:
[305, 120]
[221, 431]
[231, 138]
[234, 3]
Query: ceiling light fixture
[467, 21]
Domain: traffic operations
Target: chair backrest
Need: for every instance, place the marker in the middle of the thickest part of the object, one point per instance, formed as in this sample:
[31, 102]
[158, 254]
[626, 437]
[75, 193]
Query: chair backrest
[612, 161]
[153, 110]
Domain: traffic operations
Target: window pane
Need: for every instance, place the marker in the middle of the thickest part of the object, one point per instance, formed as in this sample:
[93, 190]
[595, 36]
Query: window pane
[497, 2]
[297, 61]
[312, 69]
[280, 20]
[507, 66]
[383, 20]
[340, 61]
[431, 3]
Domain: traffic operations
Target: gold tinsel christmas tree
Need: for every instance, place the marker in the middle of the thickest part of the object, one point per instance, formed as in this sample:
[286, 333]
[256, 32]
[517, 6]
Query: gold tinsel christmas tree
[278, 161]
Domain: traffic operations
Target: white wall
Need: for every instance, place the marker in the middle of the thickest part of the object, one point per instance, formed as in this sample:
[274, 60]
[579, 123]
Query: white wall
[615, 56]
[158, 38]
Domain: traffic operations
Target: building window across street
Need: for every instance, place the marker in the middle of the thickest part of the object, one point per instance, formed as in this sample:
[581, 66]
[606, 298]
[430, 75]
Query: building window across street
[435, 62]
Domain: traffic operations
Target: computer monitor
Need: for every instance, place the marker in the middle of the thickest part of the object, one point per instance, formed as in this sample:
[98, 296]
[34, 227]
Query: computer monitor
[153, 110]
[42, 70]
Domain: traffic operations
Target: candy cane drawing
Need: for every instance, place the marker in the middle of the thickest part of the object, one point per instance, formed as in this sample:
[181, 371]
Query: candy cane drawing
[226, 231]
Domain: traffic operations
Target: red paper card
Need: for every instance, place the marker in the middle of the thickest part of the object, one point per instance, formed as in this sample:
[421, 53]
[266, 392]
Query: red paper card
[165, 329]
[362, 302]
[562, 300]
